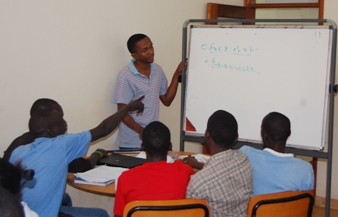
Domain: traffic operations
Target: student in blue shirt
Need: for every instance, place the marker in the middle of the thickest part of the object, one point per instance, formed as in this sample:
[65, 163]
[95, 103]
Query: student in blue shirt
[52, 151]
[273, 169]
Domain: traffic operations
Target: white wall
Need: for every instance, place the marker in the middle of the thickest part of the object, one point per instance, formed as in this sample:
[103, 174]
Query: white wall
[72, 50]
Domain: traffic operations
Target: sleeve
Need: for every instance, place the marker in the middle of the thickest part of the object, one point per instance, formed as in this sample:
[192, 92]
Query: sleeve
[190, 191]
[164, 82]
[309, 178]
[120, 199]
[197, 187]
[76, 144]
[123, 93]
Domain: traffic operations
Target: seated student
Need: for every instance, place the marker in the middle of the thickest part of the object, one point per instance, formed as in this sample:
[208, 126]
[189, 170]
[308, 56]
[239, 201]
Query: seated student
[77, 165]
[225, 181]
[10, 178]
[156, 179]
[52, 151]
[273, 170]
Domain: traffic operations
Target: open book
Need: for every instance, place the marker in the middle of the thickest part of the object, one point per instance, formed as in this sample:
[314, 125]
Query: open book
[100, 175]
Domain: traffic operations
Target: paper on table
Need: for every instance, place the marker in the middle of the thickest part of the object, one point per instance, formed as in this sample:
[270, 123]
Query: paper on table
[199, 157]
[142, 155]
[101, 174]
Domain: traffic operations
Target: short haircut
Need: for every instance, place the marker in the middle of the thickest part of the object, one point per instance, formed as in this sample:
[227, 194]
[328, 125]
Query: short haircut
[42, 104]
[277, 126]
[10, 177]
[223, 129]
[9, 205]
[40, 121]
[156, 138]
[131, 43]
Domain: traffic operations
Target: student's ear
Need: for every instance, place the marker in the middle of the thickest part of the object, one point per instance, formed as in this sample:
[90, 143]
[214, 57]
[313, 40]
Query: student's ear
[206, 134]
[134, 55]
[265, 137]
[170, 147]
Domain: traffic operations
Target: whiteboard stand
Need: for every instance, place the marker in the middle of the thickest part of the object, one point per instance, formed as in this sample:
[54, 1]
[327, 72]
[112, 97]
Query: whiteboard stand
[332, 89]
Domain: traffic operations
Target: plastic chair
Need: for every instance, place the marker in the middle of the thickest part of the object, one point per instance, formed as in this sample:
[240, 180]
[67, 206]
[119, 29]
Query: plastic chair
[166, 208]
[283, 204]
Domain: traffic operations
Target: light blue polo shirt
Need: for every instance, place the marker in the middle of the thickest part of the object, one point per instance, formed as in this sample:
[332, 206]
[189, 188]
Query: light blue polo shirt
[130, 86]
[277, 172]
[49, 158]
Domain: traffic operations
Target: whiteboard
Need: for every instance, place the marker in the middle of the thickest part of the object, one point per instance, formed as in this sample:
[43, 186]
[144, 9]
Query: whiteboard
[252, 71]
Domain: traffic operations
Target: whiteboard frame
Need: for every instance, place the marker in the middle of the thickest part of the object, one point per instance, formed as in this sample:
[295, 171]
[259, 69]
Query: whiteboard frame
[332, 89]
[313, 91]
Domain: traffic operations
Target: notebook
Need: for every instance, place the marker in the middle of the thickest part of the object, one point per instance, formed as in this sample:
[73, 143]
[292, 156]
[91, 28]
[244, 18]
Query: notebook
[118, 160]
[100, 175]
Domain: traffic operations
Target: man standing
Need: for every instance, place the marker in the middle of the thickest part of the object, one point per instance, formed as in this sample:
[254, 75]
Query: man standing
[142, 77]
[273, 169]
[225, 181]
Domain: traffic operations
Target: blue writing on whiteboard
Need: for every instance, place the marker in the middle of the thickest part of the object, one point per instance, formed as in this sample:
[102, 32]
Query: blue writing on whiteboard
[214, 64]
[237, 50]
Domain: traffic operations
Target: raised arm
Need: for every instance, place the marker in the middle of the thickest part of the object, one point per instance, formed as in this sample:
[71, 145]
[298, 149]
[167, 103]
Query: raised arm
[109, 124]
[167, 98]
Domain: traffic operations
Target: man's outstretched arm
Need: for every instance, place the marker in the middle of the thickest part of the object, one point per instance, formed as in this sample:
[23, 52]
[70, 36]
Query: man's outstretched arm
[109, 124]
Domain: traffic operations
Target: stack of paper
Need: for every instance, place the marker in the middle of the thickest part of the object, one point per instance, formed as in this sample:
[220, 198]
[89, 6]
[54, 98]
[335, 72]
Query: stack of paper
[100, 175]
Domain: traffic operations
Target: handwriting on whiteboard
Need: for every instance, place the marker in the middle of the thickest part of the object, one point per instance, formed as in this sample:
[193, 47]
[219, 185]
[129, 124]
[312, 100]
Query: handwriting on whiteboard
[221, 63]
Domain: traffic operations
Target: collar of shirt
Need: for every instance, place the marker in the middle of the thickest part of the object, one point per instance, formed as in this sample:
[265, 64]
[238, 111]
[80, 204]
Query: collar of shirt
[278, 153]
[133, 68]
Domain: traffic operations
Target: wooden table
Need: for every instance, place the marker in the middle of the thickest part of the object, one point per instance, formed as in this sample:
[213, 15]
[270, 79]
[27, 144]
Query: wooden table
[108, 190]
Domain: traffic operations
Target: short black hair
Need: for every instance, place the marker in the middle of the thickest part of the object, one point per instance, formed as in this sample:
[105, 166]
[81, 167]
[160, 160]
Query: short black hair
[131, 43]
[42, 104]
[10, 177]
[223, 129]
[156, 138]
[9, 205]
[277, 126]
[40, 121]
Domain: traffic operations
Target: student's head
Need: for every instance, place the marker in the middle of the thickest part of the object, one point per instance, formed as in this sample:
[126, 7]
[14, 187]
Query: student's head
[141, 48]
[275, 129]
[156, 139]
[9, 205]
[47, 123]
[222, 129]
[10, 177]
[132, 41]
[44, 103]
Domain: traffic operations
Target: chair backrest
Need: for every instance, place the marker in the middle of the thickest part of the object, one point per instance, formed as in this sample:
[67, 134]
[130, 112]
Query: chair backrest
[283, 204]
[166, 208]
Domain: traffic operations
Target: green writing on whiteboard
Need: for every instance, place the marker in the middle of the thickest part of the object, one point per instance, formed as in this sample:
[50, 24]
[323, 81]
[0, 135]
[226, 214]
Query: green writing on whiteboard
[238, 50]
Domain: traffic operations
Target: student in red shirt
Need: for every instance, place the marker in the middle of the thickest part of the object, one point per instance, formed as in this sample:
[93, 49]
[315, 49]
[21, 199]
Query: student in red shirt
[156, 179]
